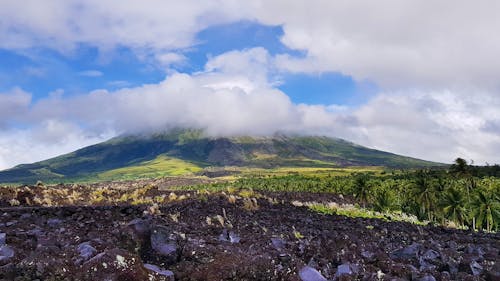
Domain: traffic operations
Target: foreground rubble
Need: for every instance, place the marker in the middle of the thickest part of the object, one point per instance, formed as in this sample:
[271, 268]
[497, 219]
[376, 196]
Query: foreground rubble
[215, 237]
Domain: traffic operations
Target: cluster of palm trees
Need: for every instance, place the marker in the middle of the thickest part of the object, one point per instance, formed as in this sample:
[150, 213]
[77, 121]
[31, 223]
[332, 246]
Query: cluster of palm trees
[456, 196]
[464, 195]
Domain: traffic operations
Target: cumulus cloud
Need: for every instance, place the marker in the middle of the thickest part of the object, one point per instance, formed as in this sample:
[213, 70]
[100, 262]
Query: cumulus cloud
[13, 105]
[392, 43]
[435, 63]
[156, 25]
[43, 141]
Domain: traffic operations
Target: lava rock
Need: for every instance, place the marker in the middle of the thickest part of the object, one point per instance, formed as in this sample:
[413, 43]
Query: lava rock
[409, 252]
[53, 222]
[164, 244]
[476, 268]
[140, 227]
[163, 272]
[6, 252]
[346, 269]
[278, 243]
[115, 265]
[430, 255]
[86, 250]
[229, 236]
[308, 273]
[368, 256]
[427, 278]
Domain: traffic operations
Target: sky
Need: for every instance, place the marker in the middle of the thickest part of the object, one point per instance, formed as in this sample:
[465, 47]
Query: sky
[410, 77]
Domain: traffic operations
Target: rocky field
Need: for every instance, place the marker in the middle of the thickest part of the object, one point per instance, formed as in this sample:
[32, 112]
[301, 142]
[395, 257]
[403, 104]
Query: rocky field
[221, 236]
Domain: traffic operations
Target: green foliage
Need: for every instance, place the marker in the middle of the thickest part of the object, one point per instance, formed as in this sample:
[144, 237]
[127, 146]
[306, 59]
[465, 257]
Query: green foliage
[193, 147]
[158, 167]
[486, 210]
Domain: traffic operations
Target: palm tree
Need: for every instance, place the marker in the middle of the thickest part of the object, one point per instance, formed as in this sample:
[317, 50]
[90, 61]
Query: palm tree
[384, 200]
[459, 167]
[424, 193]
[453, 205]
[361, 188]
[486, 209]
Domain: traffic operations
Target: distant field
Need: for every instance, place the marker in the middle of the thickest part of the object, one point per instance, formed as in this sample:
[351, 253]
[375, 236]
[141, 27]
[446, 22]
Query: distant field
[161, 166]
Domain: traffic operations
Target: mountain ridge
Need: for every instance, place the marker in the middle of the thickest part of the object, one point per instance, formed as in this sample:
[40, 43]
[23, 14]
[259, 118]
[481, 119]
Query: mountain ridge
[192, 151]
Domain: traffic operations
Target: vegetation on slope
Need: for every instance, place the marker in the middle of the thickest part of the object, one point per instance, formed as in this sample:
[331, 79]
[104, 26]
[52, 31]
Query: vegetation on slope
[190, 146]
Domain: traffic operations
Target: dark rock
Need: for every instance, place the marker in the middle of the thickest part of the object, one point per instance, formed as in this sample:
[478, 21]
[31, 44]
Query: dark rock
[25, 216]
[163, 272]
[368, 256]
[141, 228]
[86, 251]
[409, 252]
[6, 252]
[476, 268]
[308, 273]
[493, 275]
[164, 244]
[53, 222]
[343, 269]
[233, 237]
[430, 255]
[229, 236]
[116, 265]
[474, 250]
[427, 277]
[2, 239]
[278, 243]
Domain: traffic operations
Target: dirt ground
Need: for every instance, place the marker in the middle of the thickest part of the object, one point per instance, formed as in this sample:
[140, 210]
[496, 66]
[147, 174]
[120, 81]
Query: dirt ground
[218, 237]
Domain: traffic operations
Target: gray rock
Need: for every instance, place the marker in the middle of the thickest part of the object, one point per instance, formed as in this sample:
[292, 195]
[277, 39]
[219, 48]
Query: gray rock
[430, 255]
[6, 252]
[346, 269]
[229, 236]
[2, 239]
[476, 268]
[278, 243]
[160, 271]
[343, 269]
[233, 237]
[427, 278]
[54, 222]
[86, 250]
[308, 273]
[406, 253]
[163, 243]
[140, 227]
[369, 256]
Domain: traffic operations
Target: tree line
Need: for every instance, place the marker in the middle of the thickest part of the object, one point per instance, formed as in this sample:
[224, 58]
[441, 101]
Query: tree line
[463, 195]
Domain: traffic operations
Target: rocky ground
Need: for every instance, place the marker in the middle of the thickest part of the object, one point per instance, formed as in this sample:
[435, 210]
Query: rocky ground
[223, 237]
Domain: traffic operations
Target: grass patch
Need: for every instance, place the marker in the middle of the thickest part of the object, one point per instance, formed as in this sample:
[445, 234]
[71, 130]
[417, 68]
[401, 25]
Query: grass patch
[353, 211]
[158, 167]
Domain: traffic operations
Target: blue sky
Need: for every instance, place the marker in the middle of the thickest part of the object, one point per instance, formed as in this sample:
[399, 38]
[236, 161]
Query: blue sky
[390, 75]
[42, 71]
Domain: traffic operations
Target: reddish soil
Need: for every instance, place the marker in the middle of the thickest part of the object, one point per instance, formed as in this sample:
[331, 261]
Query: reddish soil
[211, 238]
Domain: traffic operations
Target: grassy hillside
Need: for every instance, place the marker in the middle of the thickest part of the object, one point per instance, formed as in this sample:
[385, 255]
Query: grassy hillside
[188, 151]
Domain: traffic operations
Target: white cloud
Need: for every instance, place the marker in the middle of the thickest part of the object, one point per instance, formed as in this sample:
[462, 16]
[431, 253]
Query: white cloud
[43, 141]
[397, 44]
[13, 105]
[436, 64]
[60, 24]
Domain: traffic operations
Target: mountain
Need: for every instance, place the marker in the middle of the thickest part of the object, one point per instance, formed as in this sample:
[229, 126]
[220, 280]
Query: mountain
[181, 152]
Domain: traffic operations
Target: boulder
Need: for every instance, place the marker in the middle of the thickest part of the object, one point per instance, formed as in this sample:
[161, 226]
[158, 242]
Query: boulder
[308, 273]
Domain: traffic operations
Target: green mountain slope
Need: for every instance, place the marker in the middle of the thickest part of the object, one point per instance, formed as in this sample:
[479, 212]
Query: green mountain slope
[187, 151]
